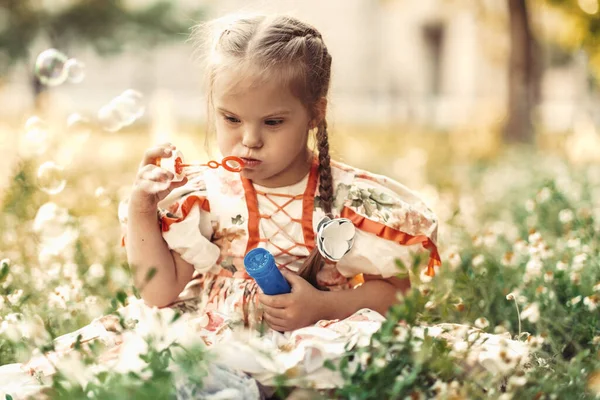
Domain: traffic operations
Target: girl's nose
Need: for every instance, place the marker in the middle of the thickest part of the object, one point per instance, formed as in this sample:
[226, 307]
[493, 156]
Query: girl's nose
[252, 138]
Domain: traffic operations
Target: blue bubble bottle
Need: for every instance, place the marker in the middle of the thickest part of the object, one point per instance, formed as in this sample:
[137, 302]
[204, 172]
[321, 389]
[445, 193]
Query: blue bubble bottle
[260, 265]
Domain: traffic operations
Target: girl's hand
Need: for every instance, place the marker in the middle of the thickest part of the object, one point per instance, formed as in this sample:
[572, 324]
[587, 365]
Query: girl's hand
[152, 183]
[302, 307]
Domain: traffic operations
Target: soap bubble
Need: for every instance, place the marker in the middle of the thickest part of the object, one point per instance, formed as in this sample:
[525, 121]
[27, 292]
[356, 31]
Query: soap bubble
[50, 67]
[56, 232]
[110, 118]
[36, 135]
[122, 111]
[134, 102]
[51, 178]
[75, 70]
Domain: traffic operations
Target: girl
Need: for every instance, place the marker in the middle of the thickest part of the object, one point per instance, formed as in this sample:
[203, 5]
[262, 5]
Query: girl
[268, 81]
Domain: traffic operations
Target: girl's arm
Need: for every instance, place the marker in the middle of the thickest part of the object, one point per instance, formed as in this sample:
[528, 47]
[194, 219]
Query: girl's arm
[146, 249]
[376, 293]
[145, 245]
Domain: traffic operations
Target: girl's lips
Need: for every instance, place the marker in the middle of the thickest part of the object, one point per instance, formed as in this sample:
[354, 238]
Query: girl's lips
[251, 162]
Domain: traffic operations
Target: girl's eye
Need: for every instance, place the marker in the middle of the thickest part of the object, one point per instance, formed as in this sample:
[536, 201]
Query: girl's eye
[274, 122]
[233, 120]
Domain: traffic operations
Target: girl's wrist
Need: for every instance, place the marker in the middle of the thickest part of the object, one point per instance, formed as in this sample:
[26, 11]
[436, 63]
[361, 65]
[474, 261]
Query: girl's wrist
[324, 312]
[139, 205]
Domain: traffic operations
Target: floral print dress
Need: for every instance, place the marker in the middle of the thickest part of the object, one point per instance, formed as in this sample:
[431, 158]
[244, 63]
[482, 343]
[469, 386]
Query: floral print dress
[215, 219]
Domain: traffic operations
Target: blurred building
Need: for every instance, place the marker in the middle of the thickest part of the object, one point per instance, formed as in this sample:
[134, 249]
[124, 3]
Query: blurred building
[436, 63]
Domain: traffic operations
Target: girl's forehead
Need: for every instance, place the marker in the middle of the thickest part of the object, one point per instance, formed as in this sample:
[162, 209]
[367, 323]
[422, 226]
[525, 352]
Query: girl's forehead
[255, 91]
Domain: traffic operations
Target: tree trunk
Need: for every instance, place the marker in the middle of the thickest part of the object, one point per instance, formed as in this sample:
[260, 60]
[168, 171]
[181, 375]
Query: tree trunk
[524, 76]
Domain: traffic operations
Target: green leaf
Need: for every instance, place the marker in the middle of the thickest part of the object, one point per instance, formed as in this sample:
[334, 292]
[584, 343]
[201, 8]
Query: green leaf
[121, 297]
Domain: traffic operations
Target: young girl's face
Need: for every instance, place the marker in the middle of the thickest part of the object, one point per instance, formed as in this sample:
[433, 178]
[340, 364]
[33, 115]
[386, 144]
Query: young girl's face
[266, 125]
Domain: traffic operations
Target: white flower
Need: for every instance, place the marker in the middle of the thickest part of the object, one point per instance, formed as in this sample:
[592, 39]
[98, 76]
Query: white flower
[535, 342]
[561, 266]
[1, 303]
[520, 247]
[482, 323]
[515, 381]
[543, 195]
[509, 259]
[430, 305]
[454, 260]
[579, 262]
[592, 302]
[56, 301]
[510, 296]
[74, 369]
[531, 313]
[565, 216]
[478, 260]
[530, 205]
[575, 300]
[35, 331]
[574, 243]
[533, 269]
[96, 271]
[14, 297]
[548, 276]
[575, 278]
[535, 238]
[379, 362]
[596, 288]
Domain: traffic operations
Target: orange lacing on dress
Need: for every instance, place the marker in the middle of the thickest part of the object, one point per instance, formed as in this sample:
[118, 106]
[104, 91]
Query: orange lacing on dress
[255, 216]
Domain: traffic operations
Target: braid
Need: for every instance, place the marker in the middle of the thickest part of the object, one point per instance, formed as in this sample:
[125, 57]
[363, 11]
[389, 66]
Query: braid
[315, 261]
[325, 178]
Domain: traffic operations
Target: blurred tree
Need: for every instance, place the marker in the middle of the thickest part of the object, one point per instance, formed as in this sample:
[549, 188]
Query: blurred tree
[524, 76]
[105, 25]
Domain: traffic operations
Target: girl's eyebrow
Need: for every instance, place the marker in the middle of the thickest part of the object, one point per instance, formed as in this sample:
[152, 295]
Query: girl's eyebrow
[278, 113]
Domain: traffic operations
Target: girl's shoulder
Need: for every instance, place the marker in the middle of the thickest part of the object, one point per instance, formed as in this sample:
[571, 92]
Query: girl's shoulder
[381, 199]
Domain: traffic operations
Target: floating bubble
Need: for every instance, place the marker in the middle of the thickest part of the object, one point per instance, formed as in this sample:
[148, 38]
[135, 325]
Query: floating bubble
[122, 111]
[36, 135]
[135, 102]
[51, 178]
[75, 70]
[54, 227]
[109, 118]
[50, 67]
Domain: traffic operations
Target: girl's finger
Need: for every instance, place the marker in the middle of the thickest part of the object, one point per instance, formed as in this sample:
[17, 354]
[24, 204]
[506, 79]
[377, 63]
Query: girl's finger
[279, 313]
[175, 185]
[153, 173]
[153, 154]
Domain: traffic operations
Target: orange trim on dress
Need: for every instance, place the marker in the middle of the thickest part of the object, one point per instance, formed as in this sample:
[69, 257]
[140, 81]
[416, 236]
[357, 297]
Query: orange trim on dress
[308, 201]
[186, 207]
[403, 238]
[253, 214]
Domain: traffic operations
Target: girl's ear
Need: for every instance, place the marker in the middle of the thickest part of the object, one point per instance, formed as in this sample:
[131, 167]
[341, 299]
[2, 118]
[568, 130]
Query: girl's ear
[319, 113]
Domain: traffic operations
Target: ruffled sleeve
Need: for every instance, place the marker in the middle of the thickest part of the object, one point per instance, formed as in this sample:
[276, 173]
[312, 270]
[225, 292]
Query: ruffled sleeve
[186, 224]
[395, 227]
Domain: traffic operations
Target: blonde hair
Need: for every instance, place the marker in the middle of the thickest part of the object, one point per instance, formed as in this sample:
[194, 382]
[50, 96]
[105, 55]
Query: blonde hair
[294, 51]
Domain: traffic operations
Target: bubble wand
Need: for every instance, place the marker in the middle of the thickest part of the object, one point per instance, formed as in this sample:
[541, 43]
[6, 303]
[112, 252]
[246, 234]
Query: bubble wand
[176, 165]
